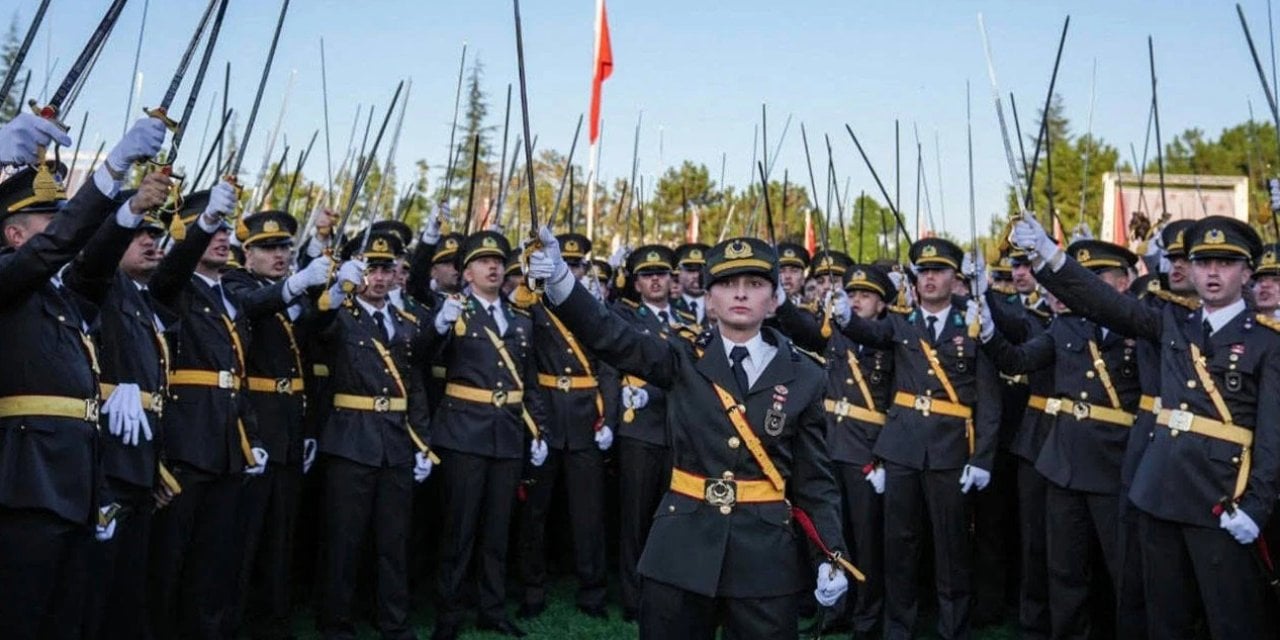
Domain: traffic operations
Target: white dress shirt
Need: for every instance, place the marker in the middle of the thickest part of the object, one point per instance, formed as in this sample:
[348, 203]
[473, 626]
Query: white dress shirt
[226, 304]
[699, 304]
[386, 312]
[499, 317]
[759, 355]
[1218, 319]
[940, 324]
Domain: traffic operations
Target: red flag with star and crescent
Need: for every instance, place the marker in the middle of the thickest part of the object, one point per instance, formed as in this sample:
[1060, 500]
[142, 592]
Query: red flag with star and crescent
[602, 69]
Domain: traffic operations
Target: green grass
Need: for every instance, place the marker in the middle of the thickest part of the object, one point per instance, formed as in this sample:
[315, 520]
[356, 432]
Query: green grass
[562, 621]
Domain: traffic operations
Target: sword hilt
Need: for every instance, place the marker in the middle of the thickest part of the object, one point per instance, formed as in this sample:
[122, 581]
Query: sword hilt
[162, 114]
[48, 112]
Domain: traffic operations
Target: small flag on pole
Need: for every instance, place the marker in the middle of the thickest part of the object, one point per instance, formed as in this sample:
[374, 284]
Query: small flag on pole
[602, 69]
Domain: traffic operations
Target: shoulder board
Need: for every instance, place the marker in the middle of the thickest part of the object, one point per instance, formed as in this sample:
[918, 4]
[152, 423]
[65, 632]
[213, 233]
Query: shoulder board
[1184, 301]
[1268, 321]
[520, 311]
[629, 302]
[812, 356]
[1039, 311]
[687, 332]
[703, 339]
[686, 315]
[407, 316]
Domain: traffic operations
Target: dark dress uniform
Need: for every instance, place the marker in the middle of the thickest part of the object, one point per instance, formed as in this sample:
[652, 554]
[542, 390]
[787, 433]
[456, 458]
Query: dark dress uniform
[48, 447]
[859, 391]
[378, 424]
[209, 433]
[689, 309]
[1093, 408]
[643, 441]
[1217, 441]
[927, 440]
[482, 431]
[132, 348]
[277, 391]
[575, 412]
[722, 547]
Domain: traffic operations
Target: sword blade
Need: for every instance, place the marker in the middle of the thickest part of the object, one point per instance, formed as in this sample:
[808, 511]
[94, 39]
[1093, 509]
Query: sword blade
[20, 55]
[87, 55]
[262, 85]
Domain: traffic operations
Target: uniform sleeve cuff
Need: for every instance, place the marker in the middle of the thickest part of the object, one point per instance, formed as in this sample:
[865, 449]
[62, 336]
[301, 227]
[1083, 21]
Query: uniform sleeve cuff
[208, 228]
[125, 217]
[109, 186]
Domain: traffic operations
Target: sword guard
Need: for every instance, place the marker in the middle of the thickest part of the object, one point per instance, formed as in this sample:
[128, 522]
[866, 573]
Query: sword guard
[159, 113]
[48, 112]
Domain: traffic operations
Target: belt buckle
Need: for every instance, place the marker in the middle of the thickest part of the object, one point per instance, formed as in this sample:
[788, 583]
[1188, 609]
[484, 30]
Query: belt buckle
[719, 492]
[157, 403]
[91, 410]
[1180, 420]
[1080, 410]
[381, 404]
[842, 408]
[564, 384]
[499, 398]
[1155, 405]
[226, 380]
[284, 385]
[923, 404]
[1052, 406]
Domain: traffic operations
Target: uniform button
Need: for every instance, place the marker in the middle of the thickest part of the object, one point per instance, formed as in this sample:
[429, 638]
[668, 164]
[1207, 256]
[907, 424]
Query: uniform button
[62, 319]
[568, 370]
[1235, 460]
[569, 351]
[848, 381]
[930, 372]
[1089, 374]
[671, 509]
[1191, 384]
[728, 475]
[1183, 406]
[734, 442]
[1084, 395]
[499, 385]
[725, 509]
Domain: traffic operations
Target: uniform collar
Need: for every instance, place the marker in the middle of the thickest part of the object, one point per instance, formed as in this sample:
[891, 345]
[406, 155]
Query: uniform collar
[1219, 319]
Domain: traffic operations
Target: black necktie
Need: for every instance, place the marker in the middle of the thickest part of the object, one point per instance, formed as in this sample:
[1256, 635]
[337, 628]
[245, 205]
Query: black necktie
[1205, 338]
[932, 321]
[737, 355]
[382, 327]
[217, 294]
[693, 308]
[666, 319]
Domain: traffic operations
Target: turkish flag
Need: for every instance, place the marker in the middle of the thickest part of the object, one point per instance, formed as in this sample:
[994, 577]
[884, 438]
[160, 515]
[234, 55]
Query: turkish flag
[602, 69]
[810, 244]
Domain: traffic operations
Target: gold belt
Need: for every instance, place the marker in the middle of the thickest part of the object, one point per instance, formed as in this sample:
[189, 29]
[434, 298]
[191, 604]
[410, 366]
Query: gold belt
[1149, 403]
[1187, 422]
[52, 406]
[276, 385]
[724, 492]
[566, 383]
[927, 405]
[499, 398]
[376, 404]
[152, 401]
[846, 409]
[1081, 410]
[202, 378]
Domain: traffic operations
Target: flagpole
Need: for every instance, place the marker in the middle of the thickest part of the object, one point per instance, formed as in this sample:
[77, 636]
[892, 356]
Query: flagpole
[591, 191]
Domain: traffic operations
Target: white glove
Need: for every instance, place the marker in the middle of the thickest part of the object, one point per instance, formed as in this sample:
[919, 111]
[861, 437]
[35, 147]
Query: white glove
[1273, 185]
[876, 477]
[604, 438]
[1031, 237]
[104, 532]
[546, 264]
[141, 142]
[431, 232]
[421, 466]
[972, 477]
[987, 328]
[309, 448]
[1239, 525]
[977, 272]
[832, 584]
[222, 202]
[634, 397]
[901, 283]
[259, 462]
[1081, 232]
[314, 274]
[449, 313]
[840, 309]
[618, 255]
[125, 415]
[20, 137]
[442, 211]
[538, 452]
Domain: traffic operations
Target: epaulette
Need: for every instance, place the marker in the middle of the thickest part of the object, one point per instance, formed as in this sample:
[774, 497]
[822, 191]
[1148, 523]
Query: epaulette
[1167, 296]
[1043, 313]
[519, 310]
[812, 356]
[407, 316]
[703, 339]
[688, 332]
[629, 302]
[903, 310]
[1268, 321]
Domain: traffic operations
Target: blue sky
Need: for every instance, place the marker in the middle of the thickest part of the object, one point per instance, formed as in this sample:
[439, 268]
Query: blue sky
[699, 71]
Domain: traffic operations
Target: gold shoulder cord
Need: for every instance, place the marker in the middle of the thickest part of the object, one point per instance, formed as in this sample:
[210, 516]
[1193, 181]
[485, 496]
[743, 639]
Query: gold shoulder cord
[1100, 367]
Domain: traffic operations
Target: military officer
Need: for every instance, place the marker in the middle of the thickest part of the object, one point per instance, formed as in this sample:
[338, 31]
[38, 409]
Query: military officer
[746, 438]
[1266, 281]
[1217, 433]
[49, 485]
[939, 440]
[576, 436]
[691, 307]
[210, 428]
[1092, 409]
[491, 415]
[644, 455]
[793, 264]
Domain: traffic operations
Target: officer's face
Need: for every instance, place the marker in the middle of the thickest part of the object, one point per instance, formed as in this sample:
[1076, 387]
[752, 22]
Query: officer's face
[485, 275]
[402, 273]
[445, 275]
[1266, 293]
[810, 290]
[578, 269]
[1180, 276]
[269, 262]
[1219, 282]
[1117, 278]
[142, 257]
[867, 304]
[510, 283]
[934, 286]
[23, 226]
[378, 280]
[743, 301]
[792, 279]
[691, 280]
[219, 249]
[653, 286]
[826, 282]
[1023, 280]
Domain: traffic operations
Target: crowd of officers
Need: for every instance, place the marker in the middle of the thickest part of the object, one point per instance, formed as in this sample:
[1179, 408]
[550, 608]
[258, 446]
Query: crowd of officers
[202, 412]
